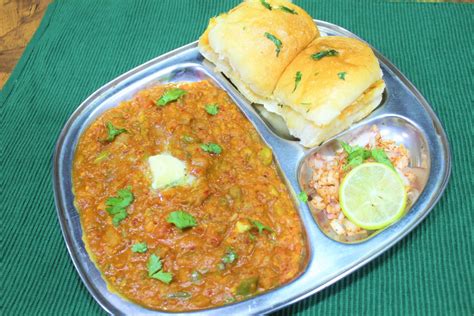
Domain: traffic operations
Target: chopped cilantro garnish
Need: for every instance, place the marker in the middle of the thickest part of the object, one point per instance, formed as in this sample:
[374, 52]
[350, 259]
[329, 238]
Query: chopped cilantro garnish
[379, 155]
[324, 53]
[266, 4]
[347, 148]
[181, 219]
[230, 256]
[170, 95]
[113, 132]
[116, 205]
[155, 270]
[154, 264]
[211, 148]
[140, 247]
[286, 9]
[212, 109]
[260, 226]
[164, 277]
[298, 77]
[357, 155]
[275, 41]
[303, 197]
[342, 75]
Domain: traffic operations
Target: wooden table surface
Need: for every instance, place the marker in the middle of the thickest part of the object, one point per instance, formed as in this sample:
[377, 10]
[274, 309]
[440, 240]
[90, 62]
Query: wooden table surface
[19, 20]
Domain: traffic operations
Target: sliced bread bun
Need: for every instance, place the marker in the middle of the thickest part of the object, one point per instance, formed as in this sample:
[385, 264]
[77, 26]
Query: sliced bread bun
[332, 83]
[253, 43]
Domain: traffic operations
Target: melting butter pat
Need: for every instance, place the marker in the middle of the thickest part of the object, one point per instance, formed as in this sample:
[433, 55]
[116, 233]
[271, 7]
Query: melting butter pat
[168, 171]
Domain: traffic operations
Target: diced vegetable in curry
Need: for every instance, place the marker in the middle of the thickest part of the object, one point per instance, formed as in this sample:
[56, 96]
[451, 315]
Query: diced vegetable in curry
[181, 204]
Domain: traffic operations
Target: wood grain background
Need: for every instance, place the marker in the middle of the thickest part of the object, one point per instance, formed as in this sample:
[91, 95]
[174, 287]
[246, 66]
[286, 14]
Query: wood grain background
[19, 20]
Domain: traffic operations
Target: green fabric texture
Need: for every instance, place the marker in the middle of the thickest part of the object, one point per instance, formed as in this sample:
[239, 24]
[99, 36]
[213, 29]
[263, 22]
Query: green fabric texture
[82, 45]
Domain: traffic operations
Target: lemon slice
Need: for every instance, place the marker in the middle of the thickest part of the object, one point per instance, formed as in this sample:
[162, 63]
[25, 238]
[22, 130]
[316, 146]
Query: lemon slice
[372, 196]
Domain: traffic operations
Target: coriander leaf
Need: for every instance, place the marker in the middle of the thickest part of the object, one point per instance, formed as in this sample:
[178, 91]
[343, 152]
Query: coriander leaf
[359, 152]
[181, 219]
[212, 109]
[119, 217]
[230, 256]
[164, 277]
[354, 162]
[266, 4]
[324, 53]
[303, 197]
[275, 41]
[260, 226]
[113, 132]
[126, 194]
[356, 157]
[155, 271]
[342, 75]
[286, 9]
[211, 148]
[170, 95]
[347, 148]
[379, 155]
[298, 77]
[154, 265]
[139, 247]
[116, 205]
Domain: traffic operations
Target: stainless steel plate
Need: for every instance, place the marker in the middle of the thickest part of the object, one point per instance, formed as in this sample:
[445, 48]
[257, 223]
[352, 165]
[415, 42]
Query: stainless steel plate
[329, 260]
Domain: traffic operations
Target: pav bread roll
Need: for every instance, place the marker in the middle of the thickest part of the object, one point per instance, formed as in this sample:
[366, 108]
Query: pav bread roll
[332, 83]
[253, 43]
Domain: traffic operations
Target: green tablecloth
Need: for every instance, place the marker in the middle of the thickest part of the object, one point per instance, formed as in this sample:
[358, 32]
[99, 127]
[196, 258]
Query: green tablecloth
[82, 45]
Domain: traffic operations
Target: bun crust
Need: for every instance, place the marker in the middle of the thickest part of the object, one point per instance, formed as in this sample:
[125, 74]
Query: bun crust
[329, 84]
[237, 44]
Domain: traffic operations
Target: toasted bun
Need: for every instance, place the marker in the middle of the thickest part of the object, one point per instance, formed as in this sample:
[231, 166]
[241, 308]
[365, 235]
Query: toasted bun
[311, 134]
[330, 84]
[236, 43]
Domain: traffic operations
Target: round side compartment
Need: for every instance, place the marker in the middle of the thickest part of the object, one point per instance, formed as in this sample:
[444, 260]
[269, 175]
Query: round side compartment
[317, 179]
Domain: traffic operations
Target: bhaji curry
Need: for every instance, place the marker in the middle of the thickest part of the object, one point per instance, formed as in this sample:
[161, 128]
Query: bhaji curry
[181, 203]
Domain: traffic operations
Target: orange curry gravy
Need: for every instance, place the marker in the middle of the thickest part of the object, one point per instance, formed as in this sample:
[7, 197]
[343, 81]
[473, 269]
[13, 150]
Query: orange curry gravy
[231, 190]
